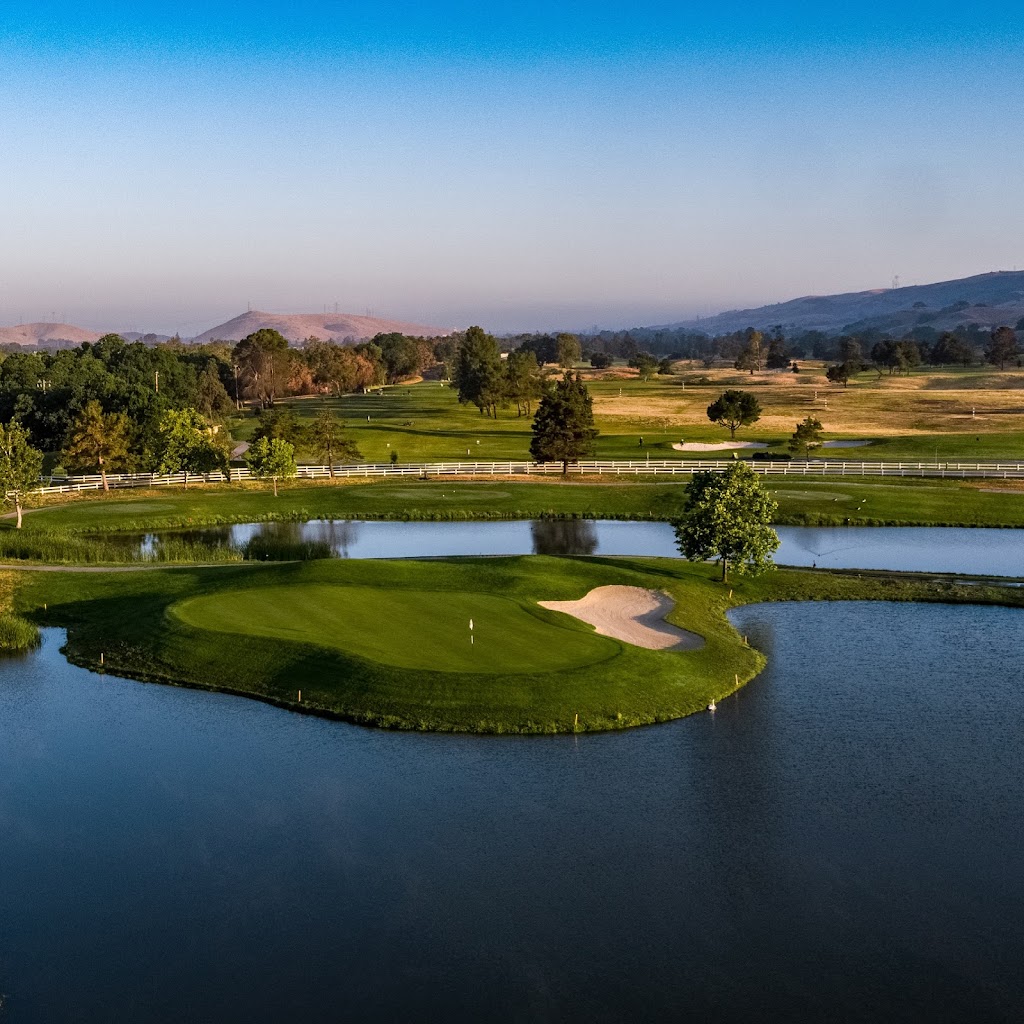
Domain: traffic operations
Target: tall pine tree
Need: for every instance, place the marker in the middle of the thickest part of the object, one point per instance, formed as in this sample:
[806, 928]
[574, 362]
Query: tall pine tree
[478, 372]
[563, 429]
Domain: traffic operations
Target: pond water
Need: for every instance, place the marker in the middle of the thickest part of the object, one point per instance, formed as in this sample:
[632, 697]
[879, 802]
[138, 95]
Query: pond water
[924, 549]
[840, 841]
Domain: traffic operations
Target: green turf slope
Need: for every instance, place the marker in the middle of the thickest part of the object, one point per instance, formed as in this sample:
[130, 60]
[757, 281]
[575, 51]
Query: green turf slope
[414, 629]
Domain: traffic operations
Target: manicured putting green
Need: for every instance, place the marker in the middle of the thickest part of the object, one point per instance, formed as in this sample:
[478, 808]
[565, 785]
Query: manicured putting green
[412, 629]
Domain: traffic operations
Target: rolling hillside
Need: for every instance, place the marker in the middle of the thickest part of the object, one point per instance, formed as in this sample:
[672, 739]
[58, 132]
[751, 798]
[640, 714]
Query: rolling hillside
[986, 299]
[297, 327]
[36, 334]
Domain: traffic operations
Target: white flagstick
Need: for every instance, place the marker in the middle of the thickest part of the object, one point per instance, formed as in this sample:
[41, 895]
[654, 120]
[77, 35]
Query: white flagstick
[471, 638]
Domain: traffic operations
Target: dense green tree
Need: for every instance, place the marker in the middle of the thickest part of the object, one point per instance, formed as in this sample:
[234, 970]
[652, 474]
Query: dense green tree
[328, 440]
[849, 350]
[1002, 347]
[281, 422]
[99, 441]
[402, 356]
[20, 466]
[338, 369]
[778, 357]
[950, 349]
[728, 516]
[734, 409]
[262, 358]
[563, 429]
[524, 383]
[752, 355]
[445, 352]
[807, 436]
[841, 373]
[186, 444]
[271, 458]
[479, 374]
[896, 356]
[569, 351]
[543, 346]
[601, 360]
[645, 363]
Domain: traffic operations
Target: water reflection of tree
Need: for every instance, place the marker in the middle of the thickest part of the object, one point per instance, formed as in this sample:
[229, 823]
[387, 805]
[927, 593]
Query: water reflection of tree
[212, 537]
[564, 537]
[338, 534]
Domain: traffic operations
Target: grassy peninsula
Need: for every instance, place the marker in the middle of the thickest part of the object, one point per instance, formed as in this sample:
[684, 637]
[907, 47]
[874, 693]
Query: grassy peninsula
[388, 643]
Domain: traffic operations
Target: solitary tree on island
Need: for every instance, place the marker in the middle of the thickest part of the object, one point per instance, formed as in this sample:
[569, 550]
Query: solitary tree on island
[727, 516]
[563, 429]
[734, 409]
[98, 440]
[20, 465]
[273, 458]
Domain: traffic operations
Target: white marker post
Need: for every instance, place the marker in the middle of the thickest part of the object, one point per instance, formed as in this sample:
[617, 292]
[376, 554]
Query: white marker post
[471, 638]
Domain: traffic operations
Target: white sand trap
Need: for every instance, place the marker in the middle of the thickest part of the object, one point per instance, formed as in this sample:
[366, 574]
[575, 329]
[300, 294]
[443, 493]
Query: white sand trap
[718, 446]
[845, 444]
[631, 614]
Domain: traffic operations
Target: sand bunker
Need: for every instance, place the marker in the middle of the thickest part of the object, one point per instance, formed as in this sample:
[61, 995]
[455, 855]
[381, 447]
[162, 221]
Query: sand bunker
[631, 614]
[718, 446]
[845, 444]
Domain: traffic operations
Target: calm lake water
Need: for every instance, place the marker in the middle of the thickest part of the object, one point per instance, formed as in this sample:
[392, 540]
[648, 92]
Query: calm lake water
[840, 841]
[924, 549]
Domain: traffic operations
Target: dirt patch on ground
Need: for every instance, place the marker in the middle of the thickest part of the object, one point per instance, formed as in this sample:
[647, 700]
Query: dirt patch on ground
[631, 614]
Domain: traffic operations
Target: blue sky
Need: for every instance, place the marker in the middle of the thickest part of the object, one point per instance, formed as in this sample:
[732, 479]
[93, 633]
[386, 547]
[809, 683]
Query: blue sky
[523, 165]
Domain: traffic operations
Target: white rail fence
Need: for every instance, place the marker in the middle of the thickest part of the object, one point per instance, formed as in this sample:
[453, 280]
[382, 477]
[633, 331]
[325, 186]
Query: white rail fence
[610, 468]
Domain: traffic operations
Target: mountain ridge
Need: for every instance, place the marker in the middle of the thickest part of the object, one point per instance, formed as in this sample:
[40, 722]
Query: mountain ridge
[296, 327]
[987, 299]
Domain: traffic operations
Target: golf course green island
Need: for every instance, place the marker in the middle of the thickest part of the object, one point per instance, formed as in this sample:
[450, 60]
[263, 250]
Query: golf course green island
[524, 644]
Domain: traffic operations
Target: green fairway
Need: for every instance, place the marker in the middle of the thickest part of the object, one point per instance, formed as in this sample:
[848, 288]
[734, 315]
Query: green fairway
[405, 628]
[928, 415]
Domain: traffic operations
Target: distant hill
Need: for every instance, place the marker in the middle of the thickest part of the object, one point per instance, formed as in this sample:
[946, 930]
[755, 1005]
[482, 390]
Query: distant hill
[987, 299]
[297, 327]
[41, 334]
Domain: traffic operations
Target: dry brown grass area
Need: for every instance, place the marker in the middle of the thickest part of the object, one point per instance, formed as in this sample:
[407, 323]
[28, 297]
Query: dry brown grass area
[923, 403]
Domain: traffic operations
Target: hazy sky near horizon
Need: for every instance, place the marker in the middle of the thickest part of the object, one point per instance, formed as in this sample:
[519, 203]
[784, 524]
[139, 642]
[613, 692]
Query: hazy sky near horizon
[527, 165]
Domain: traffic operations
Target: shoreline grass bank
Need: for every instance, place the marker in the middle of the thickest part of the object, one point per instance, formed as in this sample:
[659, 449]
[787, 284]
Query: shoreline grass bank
[825, 502]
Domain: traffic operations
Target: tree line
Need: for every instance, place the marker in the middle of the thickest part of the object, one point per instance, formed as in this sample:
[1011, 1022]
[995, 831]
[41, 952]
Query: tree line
[114, 407]
[967, 344]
